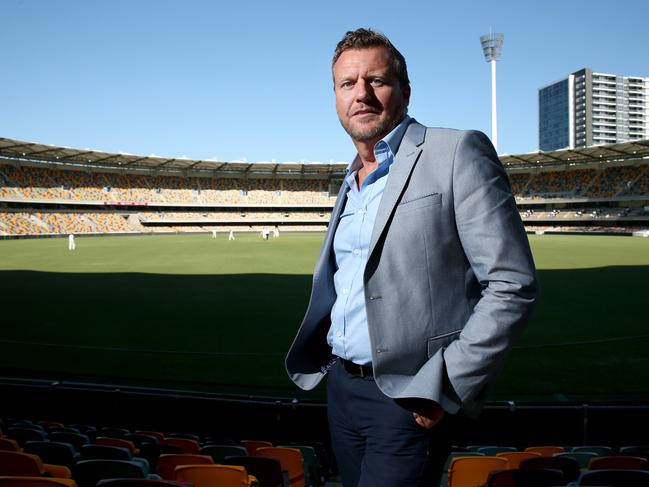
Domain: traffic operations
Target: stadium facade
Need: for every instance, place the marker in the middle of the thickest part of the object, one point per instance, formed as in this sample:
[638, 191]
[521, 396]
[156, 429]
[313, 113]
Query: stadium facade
[588, 108]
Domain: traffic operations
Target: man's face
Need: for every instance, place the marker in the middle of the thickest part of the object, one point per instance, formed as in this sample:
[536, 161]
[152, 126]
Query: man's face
[370, 101]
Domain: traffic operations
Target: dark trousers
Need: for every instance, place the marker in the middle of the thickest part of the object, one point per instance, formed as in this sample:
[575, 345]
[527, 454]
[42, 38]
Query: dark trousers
[377, 442]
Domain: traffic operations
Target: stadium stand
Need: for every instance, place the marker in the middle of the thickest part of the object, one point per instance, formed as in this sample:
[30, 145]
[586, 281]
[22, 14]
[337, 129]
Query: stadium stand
[48, 190]
[99, 463]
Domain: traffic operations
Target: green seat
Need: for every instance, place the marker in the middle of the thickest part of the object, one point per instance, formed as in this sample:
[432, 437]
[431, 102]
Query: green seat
[220, 452]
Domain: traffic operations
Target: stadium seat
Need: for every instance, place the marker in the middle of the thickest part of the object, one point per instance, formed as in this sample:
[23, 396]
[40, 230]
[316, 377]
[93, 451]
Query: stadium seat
[471, 471]
[525, 478]
[142, 483]
[53, 452]
[187, 445]
[618, 462]
[77, 440]
[51, 424]
[569, 466]
[120, 442]
[291, 460]
[156, 434]
[88, 472]
[19, 481]
[546, 451]
[167, 463]
[62, 429]
[312, 466]
[252, 445]
[214, 475]
[582, 457]
[601, 451]
[26, 464]
[516, 457]
[492, 451]
[9, 444]
[221, 452]
[188, 436]
[139, 439]
[113, 432]
[456, 454]
[23, 434]
[267, 471]
[614, 478]
[635, 450]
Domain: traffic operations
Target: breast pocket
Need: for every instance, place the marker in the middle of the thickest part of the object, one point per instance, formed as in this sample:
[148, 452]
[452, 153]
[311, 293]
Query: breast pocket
[410, 203]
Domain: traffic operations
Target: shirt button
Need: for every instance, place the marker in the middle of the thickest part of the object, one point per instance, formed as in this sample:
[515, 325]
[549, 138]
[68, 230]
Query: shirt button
[345, 290]
[356, 252]
[339, 334]
[361, 211]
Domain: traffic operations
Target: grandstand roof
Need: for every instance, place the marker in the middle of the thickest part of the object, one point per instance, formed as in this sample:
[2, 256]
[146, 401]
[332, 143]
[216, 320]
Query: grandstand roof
[637, 149]
[87, 158]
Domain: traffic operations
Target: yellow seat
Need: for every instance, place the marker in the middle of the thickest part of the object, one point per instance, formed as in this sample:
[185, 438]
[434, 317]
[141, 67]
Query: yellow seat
[474, 470]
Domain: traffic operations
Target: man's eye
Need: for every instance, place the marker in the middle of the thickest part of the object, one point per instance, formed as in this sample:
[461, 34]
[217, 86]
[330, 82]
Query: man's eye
[346, 84]
[377, 82]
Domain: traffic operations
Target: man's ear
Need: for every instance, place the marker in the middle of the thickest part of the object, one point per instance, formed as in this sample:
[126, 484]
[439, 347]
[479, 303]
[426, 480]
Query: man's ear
[405, 91]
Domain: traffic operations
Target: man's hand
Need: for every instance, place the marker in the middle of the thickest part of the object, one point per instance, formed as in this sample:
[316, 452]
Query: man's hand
[426, 413]
[429, 416]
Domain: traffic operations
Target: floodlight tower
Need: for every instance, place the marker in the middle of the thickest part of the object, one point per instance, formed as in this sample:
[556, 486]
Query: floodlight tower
[492, 45]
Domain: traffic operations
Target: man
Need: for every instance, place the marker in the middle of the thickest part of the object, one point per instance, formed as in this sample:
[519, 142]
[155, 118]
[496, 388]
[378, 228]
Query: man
[71, 244]
[424, 280]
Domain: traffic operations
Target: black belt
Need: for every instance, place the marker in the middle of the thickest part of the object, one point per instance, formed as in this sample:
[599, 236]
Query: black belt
[356, 369]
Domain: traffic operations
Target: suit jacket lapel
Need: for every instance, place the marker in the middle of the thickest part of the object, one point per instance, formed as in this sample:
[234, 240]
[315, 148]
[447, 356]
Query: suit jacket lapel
[404, 161]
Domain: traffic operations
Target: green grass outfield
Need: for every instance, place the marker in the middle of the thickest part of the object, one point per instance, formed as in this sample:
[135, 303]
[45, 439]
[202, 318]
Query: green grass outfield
[192, 312]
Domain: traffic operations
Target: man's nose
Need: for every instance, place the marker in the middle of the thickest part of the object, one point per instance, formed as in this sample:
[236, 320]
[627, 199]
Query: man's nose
[363, 91]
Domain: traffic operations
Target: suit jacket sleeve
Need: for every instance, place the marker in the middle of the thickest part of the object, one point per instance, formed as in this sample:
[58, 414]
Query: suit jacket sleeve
[496, 247]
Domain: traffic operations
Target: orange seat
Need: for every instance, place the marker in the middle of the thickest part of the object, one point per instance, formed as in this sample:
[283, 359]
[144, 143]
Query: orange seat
[252, 445]
[618, 462]
[474, 470]
[168, 462]
[19, 481]
[291, 460]
[516, 457]
[9, 444]
[25, 464]
[211, 475]
[546, 451]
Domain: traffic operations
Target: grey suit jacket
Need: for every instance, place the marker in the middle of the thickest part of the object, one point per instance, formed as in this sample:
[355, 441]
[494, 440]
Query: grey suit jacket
[449, 282]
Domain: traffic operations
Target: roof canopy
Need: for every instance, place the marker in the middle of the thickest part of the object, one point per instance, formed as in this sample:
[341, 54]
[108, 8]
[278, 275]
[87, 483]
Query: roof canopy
[41, 153]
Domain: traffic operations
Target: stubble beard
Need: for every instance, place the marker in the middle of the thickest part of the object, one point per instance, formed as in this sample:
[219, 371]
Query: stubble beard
[378, 131]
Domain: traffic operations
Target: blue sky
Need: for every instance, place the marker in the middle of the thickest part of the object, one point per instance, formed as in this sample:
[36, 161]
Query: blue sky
[251, 79]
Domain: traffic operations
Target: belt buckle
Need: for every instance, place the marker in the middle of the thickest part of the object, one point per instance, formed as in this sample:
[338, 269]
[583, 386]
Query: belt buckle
[360, 369]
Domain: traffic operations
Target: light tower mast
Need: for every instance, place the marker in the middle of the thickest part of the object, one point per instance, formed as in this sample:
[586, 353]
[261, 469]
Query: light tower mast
[492, 45]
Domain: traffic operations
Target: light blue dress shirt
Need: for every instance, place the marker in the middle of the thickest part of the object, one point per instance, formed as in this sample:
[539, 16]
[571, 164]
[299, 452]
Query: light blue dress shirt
[348, 335]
